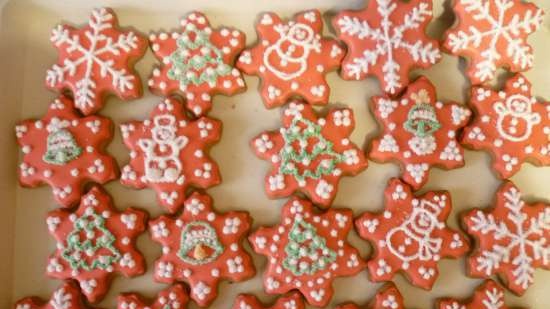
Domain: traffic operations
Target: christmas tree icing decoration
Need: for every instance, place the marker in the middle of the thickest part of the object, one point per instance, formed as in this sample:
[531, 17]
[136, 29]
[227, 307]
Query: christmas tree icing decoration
[309, 153]
[199, 243]
[61, 148]
[304, 243]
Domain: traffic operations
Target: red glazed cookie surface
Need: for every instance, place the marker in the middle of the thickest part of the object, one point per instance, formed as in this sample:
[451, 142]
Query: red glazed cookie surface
[173, 297]
[292, 58]
[96, 60]
[488, 295]
[67, 296]
[493, 34]
[65, 151]
[307, 251]
[511, 124]
[169, 153]
[411, 235]
[202, 247]
[94, 242]
[290, 301]
[309, 153]
[419, 132]
[512, 239]
[387, 39]
[388, 297]
[197, 62]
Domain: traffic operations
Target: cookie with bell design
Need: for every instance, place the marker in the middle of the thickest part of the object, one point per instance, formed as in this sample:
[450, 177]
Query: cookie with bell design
[95, 242]
[411, 235]
[307, 251]
[202, 247]
[66, 151]
[66, 296]
[388, 297]
[512, 239]
[169, 153]
[173, 297]
[489, 295]
[292, 58]
[387, 39]
[419, 132]
[290, 301]
[197, 62]
[511, 124]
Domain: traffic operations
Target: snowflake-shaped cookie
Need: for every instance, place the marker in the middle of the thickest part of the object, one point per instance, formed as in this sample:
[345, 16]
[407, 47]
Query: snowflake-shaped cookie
[197, 62]
[173, 297]
[96, 60]
[411, 235]
[513, 239]
[65, 151]
[292, 300]
[388, 297]
[292, 58]
[493, 34]
[387, 39]
[94, 242]
[202, 247]
[419, 132]
[307, 251]
[488, 295]
[169, 152]
[511, 124]
[309, 153]
[67, 296]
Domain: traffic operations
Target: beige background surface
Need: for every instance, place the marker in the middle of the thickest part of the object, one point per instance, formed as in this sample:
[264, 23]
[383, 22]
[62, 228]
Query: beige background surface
[26, 54]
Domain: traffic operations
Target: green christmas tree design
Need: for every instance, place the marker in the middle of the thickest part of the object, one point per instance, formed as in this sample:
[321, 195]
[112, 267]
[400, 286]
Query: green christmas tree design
[304, 243]
[97, 250]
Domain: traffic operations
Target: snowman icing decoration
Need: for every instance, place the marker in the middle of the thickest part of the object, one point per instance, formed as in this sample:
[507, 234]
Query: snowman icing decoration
[515, 118]
[162, 163]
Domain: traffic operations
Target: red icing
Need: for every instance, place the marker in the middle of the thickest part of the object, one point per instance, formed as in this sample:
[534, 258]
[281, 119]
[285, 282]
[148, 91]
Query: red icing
[173, 297]
[67, 296]
[388, 297]
[292, 300]
[488, 295]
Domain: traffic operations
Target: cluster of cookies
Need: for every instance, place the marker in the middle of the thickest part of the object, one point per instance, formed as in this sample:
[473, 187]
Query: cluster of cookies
[309, 154]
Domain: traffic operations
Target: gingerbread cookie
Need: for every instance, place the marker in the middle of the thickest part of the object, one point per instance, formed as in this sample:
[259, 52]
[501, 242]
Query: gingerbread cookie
[488, 295]
[307, 251]
[419, 132]
[202, 247]
[309, 153]
[96, 60]
[292, 58]
[290, 301]
[67, 296]
[388, 297]
[94, 242]
[169, 152]
[511, 124]
[173, 297]
[65, 151]
[411, 235]
[512, 239]
[387, 39]
[493, 34]
[197, 62]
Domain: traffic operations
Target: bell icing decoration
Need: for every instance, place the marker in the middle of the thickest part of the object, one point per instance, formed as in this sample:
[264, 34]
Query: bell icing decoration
[199, 244]
[516, 118]
[422, 123]
[61, 146]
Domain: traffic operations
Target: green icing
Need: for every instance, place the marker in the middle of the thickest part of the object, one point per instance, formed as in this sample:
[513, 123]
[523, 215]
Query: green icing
[61, 148]
[199, 243]
[422, 120]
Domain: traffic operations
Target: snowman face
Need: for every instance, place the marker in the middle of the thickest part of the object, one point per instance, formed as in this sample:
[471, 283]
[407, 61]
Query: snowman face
[422, 221]
[518, 104]
[164, 130]
[300, 34]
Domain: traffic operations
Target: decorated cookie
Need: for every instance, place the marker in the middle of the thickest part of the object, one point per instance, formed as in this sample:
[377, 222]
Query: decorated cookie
[96, 60]
[169, 152]
[197, 62]
[290, 301]
[387, 39]
[94, 242]
[513, 239]
[388, 297]
[292, 58]
[173, 297]
[65, 151]
[307, 251]
[419, 132]
[493, 34]
[411, 235]
[489, 295]
[67, 296]
[309, 153]
[511, 124]
[202, 247]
